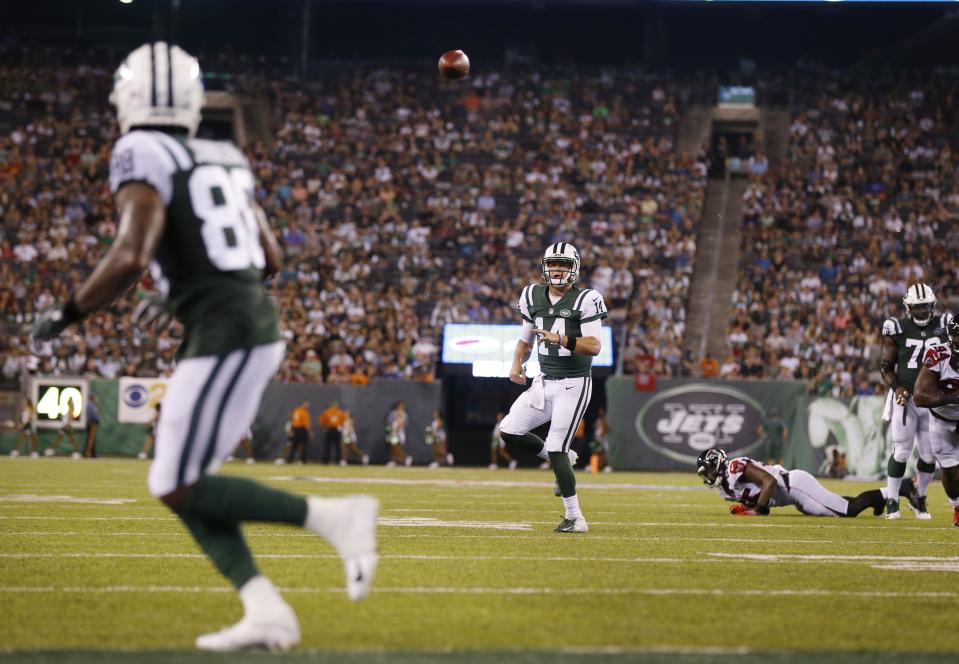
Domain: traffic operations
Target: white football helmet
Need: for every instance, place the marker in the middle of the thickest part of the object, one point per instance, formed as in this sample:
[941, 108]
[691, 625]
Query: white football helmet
[920, 303]
[561, 252]
[158, 85]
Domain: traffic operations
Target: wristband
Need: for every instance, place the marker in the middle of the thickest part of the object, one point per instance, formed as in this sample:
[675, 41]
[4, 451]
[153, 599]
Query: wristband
[762, 509]
[70, 312]
[570, 342]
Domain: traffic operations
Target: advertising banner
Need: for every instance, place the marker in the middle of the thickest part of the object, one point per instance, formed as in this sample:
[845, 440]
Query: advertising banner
[667, 429]
[137, 399]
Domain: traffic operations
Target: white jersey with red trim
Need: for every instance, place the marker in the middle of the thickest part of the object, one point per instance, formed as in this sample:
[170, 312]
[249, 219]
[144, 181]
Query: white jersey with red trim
[938, 359]
[735, 487]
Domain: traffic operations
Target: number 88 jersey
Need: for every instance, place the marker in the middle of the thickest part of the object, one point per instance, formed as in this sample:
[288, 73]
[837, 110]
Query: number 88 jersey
[566, 316]
[912, 343]
[209, 262]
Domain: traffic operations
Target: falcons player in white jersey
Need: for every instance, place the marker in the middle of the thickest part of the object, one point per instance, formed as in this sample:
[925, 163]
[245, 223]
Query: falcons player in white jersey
[756, 487]
[937, 388]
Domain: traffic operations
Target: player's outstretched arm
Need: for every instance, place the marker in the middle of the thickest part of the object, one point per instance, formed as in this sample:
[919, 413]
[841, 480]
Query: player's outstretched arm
[757, 475]
[142, 220]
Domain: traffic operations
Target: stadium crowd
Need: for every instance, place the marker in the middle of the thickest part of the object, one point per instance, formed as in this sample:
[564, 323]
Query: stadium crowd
[864, 204]
[402, 203]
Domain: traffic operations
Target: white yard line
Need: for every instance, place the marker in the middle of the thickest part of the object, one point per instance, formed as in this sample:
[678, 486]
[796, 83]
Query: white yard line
[441, 590]
[473, 483]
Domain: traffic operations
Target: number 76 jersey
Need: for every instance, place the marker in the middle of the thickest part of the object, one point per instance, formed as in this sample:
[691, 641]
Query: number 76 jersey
[209, 262]
[577, 307]
[912, 343]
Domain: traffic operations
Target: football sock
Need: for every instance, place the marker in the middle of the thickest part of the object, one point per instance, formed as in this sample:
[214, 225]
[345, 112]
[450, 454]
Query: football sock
[238, 499]
[924, 472]
[894, 473]
[564, 473]
[223, 543]
[865, 500]
[259, 594]
[572, 507]
[528, 441]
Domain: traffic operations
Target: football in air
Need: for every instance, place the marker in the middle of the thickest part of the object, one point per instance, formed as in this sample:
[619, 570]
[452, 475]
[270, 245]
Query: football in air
[454, 65]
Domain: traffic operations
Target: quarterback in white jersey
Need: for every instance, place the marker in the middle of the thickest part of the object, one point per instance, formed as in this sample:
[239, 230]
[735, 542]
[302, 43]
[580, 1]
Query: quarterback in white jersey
[937, 388]
[755, 487]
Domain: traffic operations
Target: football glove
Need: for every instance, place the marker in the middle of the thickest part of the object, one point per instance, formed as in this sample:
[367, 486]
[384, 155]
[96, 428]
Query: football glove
[152, 312]
[52, 322]
[742, 510]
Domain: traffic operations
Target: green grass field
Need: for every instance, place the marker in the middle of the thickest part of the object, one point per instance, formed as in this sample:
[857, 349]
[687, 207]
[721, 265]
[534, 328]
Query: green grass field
[93, 569]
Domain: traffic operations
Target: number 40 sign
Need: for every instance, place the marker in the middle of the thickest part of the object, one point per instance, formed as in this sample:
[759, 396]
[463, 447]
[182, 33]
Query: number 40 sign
[53, 397]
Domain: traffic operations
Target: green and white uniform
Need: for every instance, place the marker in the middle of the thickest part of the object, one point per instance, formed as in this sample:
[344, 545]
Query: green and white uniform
[561, 393]
[910, 424]
[209, 263]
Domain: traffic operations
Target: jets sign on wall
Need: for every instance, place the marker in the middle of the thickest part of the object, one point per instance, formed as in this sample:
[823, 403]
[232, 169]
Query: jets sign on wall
[682, 421]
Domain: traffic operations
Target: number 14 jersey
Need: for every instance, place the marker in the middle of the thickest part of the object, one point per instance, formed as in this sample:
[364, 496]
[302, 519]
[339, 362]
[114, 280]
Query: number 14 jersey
[209, 262]
[565, 316]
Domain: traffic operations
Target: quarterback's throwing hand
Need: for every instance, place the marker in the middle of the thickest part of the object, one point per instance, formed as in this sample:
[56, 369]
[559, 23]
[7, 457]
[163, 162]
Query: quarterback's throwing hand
[552, 337]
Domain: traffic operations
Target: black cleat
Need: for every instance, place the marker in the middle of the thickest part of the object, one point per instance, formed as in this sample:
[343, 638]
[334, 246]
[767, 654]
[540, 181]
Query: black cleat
[577, 525]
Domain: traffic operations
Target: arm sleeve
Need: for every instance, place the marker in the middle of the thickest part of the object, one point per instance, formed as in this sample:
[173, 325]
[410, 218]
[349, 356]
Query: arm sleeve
[891, 328]
[593, 308]
[593, 328]
[526, 334]
[138, 157]
[523, 305]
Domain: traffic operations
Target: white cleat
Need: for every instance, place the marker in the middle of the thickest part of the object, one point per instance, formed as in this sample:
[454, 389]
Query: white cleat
[75, 455]
[141, 456]
[512, 464]
[250, 461]
[49, 452]
[231, 458]
[408, 462]
[349, 524]
[492, 466]
[14, 454]
[279, 461]
[278, 631]
[343, 462]
[449, 459]
[434, 464]
[34, 455]
[366, 459]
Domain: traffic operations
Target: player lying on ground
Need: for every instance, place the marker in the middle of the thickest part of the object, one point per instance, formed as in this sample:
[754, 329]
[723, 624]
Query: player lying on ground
[756, 487]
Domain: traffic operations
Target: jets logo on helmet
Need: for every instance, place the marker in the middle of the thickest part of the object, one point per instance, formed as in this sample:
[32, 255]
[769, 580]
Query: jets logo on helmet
[711, 466]
[158, 85]
[920, 303]
[565, 255]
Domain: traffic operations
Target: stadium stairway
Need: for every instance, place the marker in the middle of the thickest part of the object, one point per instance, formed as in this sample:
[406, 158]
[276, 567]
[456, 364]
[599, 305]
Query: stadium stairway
[716, 269]
[775, 124]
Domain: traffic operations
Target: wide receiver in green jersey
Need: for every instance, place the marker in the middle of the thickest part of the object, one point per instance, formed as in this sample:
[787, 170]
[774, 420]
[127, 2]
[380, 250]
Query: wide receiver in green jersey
[904, 344]
[568, 323]
[187, 210]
